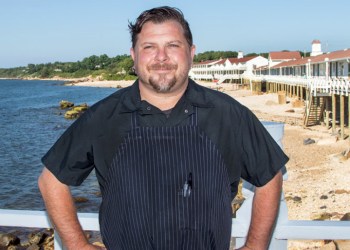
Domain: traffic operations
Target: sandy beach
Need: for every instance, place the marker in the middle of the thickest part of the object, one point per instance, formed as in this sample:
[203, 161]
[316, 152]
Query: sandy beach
[317, 186]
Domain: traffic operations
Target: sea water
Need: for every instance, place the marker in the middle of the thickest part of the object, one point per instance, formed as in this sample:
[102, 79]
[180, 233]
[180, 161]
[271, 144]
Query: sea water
[30, 122]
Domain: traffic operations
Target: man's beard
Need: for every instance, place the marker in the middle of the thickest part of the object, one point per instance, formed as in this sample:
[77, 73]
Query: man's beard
[161, 83]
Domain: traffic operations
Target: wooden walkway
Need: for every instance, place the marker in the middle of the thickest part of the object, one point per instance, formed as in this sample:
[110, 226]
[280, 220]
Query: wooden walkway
[326, 100]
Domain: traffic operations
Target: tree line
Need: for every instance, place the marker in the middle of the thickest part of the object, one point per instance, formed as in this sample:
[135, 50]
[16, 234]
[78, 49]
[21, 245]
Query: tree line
[107, 68]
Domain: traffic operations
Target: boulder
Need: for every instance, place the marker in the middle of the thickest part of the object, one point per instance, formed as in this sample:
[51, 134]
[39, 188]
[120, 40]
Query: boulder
[329, 246]
[36, 237]
[76, 111]
[8, 239]
[66, 104]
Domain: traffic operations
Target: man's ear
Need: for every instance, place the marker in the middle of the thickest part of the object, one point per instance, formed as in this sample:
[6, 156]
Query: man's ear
[193, 51]
[132, 53]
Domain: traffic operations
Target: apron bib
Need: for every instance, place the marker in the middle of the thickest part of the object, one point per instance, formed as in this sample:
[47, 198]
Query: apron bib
[167, 188]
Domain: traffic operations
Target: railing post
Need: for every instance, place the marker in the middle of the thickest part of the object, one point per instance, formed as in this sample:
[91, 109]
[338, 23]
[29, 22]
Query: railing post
[243, 215]
[57, 242]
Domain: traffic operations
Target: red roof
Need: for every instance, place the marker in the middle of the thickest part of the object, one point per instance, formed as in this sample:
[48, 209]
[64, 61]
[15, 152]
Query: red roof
[207, 62]
[290, 63]
[284, 55]
[241, 60]
[332, 56]
[232, 60]
[316, 42]
[335, 55]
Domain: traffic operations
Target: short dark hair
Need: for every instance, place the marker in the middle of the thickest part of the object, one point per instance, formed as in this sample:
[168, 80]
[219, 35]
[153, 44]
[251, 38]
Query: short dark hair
[160, 15]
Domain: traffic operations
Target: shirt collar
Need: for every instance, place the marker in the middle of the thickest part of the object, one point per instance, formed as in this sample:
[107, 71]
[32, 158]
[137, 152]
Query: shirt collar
[194, 95]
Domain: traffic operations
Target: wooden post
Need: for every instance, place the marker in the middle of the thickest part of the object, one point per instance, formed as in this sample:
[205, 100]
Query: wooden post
[349, 111]
[301, 93]
[327, 112]
[342, 97]
[267, 87]
[293, 91]
[334, 103]
[298, 92]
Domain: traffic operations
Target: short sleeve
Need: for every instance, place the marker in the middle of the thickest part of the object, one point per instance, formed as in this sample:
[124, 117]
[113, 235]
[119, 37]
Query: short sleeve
[70, 159]
[262, 157]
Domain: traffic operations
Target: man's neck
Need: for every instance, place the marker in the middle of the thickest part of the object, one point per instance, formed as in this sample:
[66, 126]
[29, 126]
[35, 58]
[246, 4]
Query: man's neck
[163, 101]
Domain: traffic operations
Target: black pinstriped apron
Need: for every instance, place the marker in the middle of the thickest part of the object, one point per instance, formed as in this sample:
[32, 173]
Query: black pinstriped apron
[167, 188]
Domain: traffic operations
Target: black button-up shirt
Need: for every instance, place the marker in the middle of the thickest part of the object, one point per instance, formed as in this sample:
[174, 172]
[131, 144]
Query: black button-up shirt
[91, 141]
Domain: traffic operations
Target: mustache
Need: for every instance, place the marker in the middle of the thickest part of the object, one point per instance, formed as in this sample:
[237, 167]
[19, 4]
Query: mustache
[162, 66]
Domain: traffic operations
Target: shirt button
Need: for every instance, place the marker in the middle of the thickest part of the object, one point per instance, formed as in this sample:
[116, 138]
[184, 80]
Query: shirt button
[148, 108]
[186, 111]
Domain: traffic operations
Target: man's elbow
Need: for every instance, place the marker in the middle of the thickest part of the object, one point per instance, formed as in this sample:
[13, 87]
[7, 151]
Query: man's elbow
[45, 180]
[41, 181]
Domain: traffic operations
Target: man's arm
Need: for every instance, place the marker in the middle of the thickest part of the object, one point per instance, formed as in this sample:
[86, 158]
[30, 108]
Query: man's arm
[61, 209]
[265, 208]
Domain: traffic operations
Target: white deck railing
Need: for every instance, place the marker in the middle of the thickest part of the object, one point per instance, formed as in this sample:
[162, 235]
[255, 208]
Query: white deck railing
[317, 85]
[285, 229]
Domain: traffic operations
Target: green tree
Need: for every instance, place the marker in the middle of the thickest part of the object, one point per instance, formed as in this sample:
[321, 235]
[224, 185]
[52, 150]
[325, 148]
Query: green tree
[126, 64]
[45, 72]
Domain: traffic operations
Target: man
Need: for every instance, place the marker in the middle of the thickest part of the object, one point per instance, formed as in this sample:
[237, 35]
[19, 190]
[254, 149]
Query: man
[168, 154]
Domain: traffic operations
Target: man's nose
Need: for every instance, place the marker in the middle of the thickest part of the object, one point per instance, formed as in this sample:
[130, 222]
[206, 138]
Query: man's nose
[162, 55]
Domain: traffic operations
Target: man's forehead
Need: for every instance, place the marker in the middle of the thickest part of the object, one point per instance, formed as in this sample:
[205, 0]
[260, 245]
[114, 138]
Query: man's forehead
[172, 30]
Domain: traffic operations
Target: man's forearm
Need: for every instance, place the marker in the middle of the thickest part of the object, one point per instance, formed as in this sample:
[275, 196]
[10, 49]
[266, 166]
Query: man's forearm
[264, 212]
[61, 209]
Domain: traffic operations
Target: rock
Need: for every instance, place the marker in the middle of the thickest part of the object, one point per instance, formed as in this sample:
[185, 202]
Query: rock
[341, 191]
[324, 197]
[346, 154]
[99, 244]
[323, 216]
[36, 237]
[346, 217]
[33, 247]
[297, 199]
[66, 104]
[48, 243]
[71, 114]
[8, 239]
[80, 199]
[342, 244]
[329, 246]
[12, 247]
[290, 111]
[76, 111]
[308, 141]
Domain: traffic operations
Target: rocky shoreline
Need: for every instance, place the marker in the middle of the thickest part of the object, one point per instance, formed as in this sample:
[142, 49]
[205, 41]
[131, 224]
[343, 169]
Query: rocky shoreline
[12, 238]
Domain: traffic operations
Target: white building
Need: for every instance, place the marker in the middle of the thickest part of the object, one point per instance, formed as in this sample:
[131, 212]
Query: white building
[226, 69]
[316, 48]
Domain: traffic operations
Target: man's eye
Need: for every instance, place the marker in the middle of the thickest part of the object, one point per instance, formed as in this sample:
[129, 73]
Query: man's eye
[148, 47]
[174, 45]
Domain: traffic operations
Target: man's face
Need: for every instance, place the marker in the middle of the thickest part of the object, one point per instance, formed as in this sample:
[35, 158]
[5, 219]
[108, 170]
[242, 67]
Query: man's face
[162, 56]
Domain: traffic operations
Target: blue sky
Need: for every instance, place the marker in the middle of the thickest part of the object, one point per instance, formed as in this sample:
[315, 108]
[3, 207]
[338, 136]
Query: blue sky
[42, 31]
